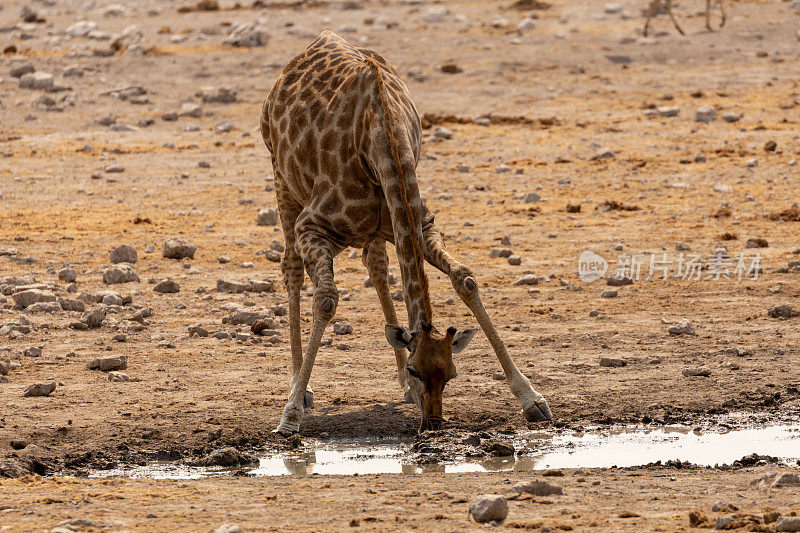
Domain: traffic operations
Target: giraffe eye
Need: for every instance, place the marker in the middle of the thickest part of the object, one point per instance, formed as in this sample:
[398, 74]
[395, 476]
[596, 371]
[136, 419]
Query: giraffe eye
[412, 371]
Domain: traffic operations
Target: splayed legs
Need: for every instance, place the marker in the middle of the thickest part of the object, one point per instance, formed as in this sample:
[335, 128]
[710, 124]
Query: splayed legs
[534, 406]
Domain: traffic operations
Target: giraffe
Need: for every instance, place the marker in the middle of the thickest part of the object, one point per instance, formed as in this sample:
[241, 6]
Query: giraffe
[344, 138]
[654, 5]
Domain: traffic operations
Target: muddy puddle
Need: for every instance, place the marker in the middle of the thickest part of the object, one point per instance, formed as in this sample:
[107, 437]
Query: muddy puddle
[591, 448]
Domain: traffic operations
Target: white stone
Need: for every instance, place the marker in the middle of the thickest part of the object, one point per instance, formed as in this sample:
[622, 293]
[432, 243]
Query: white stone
[81, 28]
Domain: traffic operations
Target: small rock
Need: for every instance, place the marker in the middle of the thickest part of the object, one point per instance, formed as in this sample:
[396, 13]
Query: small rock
[177, 248]
[669, 111]
[108, 362]
[116, 376]
[71, 305]
[228, 528]
[532, 198]
[209, 95]
[488, 508]
[440, 132]
[700, 158]
[267, 217]
[684, 327]
[19, 443]
[229, 457]
[42, 388]
[612, 362]
[539, 488]
[124, 254]
[167, 286]
[20, 69]
[249, 34]
[604, 153]
[788, 523]
[32, 351]
[705, 114]
[770, 146]
[32, 296]
[723, 522]
[37, 80]
[500, 252]
[619, 281]
[696, 372]
[527, 279]
[67, 274]
[514, 260]
[731, 117]
[342, 327]
[609, 293]
[94, 318]
[782, 311]
[198, 330]
[121, 273]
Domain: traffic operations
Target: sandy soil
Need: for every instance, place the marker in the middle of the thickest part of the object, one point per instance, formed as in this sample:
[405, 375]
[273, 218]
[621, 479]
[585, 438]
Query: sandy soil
[198, 394]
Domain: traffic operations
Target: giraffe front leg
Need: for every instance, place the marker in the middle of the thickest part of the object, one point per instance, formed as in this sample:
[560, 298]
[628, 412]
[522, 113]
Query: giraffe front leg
[318, 254]
[722, 10]
[377, 263]
[534, 405]
[293, 274]
[708, 15]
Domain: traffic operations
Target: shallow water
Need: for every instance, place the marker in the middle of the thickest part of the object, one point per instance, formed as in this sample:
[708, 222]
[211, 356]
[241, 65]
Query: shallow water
[595, 448]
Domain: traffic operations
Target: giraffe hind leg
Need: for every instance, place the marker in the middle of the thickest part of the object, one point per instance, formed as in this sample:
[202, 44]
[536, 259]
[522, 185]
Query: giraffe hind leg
[377, 263]
[674, 20]
[651, 9]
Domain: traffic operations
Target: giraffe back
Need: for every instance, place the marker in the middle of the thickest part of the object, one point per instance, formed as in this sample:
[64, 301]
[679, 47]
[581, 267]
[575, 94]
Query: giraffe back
[321, 122]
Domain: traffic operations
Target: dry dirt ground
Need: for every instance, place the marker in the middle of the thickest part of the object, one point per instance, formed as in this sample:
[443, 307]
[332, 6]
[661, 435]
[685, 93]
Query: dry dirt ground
[584, 81]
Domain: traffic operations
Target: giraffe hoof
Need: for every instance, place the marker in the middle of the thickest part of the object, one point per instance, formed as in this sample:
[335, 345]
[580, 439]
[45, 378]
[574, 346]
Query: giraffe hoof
[308, 399]
[285, 433]
[538, 412]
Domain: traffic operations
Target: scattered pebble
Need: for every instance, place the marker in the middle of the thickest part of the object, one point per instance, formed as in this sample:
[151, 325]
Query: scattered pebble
[43, 388]
[167, 286]
[696, 372]
[108, 362]
[267, 217]
[684, 327]
[488, 508]
[177, 248]
[124, 254]
[120, 273]
[705, 114]
[539, 488]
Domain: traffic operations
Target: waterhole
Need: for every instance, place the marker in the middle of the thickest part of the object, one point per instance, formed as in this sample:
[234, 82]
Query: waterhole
[595, 448]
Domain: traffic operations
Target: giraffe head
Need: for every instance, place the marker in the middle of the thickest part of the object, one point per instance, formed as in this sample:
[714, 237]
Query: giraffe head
[430, 365]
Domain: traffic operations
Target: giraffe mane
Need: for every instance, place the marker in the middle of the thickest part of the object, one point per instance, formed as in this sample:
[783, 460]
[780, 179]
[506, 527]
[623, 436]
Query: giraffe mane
[410, 215]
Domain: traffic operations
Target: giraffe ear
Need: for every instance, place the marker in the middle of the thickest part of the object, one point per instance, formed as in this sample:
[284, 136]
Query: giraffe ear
[398, 336]
[462, 338]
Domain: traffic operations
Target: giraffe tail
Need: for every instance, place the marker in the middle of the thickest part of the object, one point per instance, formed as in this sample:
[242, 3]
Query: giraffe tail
[392, 159]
